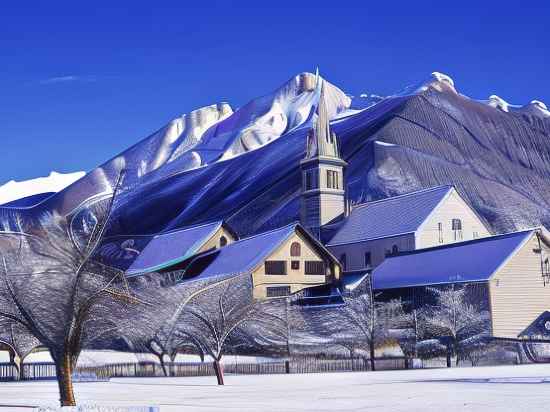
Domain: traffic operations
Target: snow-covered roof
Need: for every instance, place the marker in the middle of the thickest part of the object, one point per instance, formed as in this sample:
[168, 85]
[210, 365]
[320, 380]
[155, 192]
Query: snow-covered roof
[167, 249]
[245, 255]
[389, 217]
[472, 261]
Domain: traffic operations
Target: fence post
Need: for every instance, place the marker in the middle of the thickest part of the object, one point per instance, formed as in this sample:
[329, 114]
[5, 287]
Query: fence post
[287, 366]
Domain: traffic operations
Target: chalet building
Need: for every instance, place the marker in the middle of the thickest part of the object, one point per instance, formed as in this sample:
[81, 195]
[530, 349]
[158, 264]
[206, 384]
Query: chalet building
[508, 275]
[176, 247]
[282, 261]
[417, 220]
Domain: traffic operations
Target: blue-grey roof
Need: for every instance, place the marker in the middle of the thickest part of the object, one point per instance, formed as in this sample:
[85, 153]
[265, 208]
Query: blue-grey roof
[244, 255]
[172, 247]
[472, 261]
[389, 217]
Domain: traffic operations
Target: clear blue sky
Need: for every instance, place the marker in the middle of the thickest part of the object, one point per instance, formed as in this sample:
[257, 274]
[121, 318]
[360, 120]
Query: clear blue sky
[82, 81]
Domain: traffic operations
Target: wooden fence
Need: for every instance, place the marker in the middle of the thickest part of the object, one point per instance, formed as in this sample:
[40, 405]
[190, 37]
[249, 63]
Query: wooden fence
[46, 370]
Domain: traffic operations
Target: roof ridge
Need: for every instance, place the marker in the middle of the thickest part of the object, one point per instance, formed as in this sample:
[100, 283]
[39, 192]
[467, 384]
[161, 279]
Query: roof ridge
[183, 229]
[267, 232]
[463, 243]
[416, 192]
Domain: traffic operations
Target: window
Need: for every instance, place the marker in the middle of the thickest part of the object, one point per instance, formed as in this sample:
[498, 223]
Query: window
[315, 267]
[343, 261]
[332, 179]
[295, 265]
[394, 250]
[440, 231]
[275, 267]
[368, 259]
[311, 178]
[475, 235]
[457, 228]
[277, 291]
[295, 249]
[546, 271]
[223, 241]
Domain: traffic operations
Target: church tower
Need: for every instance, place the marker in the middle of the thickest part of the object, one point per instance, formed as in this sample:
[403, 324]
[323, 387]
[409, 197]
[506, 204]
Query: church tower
[323, 194]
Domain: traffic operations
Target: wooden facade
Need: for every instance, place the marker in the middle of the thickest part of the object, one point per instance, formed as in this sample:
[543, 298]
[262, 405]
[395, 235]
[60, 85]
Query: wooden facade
[520, 289]
[515, 295]
[297, 263]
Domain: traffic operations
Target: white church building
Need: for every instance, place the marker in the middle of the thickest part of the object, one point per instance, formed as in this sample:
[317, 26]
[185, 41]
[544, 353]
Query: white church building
[366, 234]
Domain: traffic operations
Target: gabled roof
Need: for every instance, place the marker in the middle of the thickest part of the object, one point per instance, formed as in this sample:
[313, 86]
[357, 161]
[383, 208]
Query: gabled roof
[388, 217]
[473, 261]
[245, 255]
[169, 248]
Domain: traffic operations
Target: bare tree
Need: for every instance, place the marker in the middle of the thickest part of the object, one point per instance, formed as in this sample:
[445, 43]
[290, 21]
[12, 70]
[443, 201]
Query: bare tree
[215, 315]
[158, 333]
[454, 323]
[361, 317]
[53, 286]
[18, 341]
[401, 325]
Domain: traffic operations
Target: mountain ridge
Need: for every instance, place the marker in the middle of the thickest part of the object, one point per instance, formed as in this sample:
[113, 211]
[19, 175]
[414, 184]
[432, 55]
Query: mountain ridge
[432, 135]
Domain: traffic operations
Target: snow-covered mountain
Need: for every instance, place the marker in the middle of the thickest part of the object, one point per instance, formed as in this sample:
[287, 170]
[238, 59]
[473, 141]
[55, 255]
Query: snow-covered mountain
[53, 183]
[243, 164]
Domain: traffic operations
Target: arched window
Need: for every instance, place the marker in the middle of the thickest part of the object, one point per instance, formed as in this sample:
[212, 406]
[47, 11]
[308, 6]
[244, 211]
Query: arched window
[223, 241]
[295, 249]
[343, 260]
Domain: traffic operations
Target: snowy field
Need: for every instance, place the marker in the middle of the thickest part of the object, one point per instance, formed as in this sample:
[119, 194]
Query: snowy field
[504, 388]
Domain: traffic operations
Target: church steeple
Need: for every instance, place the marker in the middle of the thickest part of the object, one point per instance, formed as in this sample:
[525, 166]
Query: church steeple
[323, 195]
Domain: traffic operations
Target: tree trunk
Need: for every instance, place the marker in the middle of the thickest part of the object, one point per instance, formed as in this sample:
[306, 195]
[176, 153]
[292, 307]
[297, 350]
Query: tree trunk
[371, 348]
[406, 363]
[163, 365]
[448, 358]
[15, 360]
[64, 371]
[218, 368]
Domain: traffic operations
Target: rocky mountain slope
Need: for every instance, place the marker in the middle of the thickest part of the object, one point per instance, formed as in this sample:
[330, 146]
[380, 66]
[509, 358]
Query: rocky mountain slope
[243, 165]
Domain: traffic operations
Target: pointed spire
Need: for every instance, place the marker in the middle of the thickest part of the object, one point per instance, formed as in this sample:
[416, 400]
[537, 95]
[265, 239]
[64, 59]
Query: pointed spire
[321, 140]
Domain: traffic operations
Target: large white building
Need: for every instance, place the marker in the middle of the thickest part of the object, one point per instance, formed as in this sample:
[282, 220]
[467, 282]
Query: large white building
[364, 236]
[416, 220]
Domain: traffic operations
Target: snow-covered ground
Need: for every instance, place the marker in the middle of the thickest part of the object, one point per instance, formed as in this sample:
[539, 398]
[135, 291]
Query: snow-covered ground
[504, 388]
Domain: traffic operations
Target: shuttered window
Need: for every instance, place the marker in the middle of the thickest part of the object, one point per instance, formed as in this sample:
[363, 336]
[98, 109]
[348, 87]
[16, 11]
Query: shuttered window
[277, 291]
[275, 267]
[315, 268]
